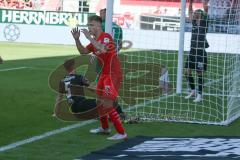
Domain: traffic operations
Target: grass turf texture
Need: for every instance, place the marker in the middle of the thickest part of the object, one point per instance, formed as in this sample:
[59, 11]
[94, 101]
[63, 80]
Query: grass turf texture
[26, 105]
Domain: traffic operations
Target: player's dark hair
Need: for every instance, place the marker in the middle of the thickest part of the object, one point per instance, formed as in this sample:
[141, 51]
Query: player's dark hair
[201, 12]
[104, 9]
[95, 18]
[69, 65]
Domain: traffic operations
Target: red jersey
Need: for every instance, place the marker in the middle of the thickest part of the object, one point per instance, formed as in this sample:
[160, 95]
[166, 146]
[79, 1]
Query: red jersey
[108, 61]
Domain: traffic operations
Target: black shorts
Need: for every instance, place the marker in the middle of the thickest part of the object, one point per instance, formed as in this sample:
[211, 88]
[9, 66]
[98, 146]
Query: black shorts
[197, 60]
[83, 105]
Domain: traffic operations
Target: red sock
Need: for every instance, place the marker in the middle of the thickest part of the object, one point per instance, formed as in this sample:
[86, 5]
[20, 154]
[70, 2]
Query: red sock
[104, 122]
[103, 117]
[113, 115]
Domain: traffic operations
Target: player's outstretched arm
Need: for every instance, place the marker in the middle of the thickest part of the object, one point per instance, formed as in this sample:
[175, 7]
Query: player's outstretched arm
[76, 35]
[205, 5]
[190, 10]
[59, 98]
[91, 88]
[56, 106]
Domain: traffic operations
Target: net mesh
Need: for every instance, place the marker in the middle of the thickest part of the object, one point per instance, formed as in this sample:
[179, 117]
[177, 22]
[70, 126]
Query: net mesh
[149, 94]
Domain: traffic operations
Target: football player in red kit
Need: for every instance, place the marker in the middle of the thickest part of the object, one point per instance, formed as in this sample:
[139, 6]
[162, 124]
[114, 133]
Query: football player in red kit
[102, 45]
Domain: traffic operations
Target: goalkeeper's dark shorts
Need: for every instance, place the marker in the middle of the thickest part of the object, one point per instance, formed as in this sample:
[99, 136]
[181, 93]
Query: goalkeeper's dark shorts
[85, 105]
[197, 60]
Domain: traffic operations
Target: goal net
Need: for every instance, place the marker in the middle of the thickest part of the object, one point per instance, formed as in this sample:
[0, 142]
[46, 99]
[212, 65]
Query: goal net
[150, 90]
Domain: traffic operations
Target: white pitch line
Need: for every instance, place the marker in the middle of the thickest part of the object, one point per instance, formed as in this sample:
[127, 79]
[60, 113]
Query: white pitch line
[10, 69]
[61, 130]
[37, 68]
[46, 134]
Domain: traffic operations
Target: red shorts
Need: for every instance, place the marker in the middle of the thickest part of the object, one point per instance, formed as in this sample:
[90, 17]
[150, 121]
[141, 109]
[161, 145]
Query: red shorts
[108, 86]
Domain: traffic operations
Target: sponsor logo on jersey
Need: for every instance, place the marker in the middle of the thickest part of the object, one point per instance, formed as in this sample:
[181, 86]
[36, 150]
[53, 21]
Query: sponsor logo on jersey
[106, 40]
[107, 90]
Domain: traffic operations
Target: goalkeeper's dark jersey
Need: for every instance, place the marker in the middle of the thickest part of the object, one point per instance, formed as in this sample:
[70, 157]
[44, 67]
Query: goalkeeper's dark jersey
[72, 85]
[199, 31]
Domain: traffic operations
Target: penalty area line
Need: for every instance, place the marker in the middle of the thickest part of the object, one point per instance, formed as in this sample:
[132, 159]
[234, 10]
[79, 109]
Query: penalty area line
[10, 69]
[46, 134]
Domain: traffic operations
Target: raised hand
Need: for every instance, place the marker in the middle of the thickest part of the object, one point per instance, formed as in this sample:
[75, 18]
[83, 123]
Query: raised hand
[76, 33]
[205, 5]
[86, 33]
[190, 4]
[190, 10]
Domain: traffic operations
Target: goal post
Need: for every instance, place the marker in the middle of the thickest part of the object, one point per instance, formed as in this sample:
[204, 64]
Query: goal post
[109, 16]
[181, 47]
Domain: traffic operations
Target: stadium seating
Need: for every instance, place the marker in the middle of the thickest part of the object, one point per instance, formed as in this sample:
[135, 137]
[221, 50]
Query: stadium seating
[50, 5]
[16, 4]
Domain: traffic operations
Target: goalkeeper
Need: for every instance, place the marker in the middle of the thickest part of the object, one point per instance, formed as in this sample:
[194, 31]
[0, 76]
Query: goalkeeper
[72, 86]
[197, 58]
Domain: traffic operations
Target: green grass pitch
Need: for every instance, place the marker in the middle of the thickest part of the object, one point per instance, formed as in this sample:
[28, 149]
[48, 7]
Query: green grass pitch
[26, 106]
